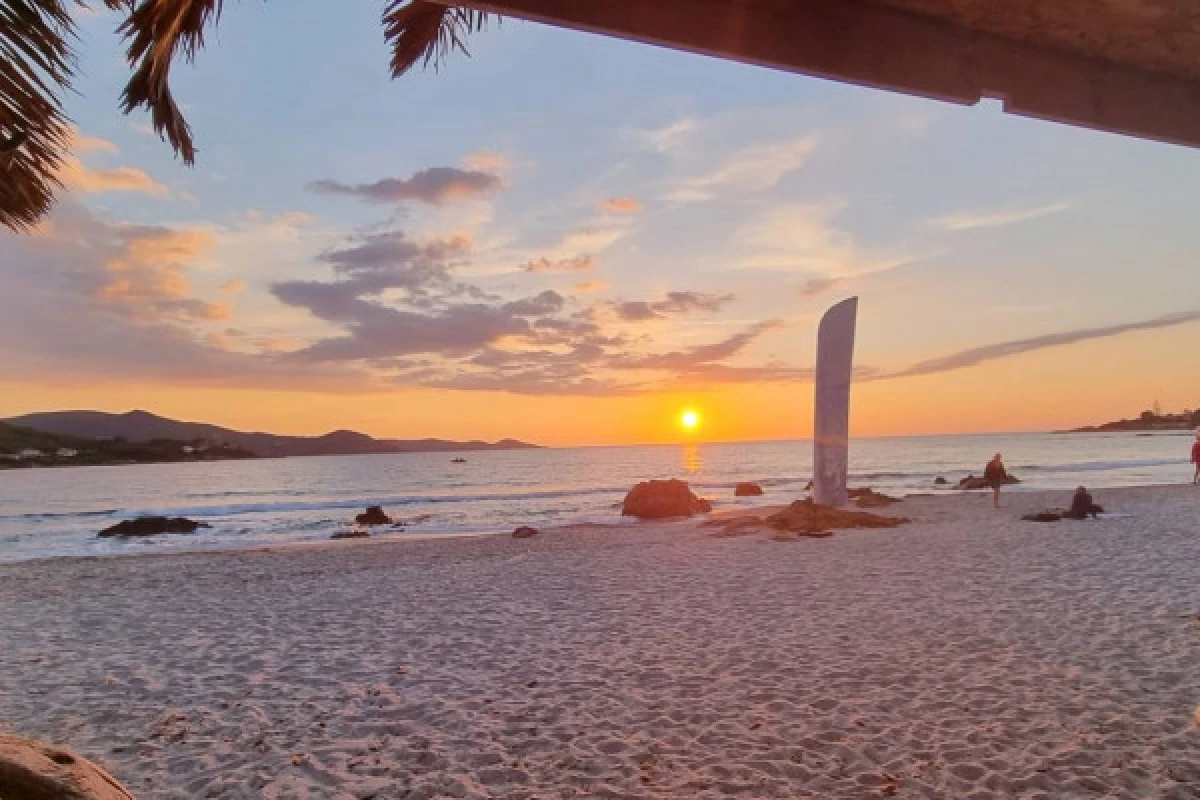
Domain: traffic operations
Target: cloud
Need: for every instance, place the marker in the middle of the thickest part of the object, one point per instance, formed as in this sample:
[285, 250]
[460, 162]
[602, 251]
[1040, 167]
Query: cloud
[146, 277]
[668, 139]
[673, 303]
[433, 186]
[77, 176]
[692, 358]
[93, 301]
[620, 205]
[967, 220]
[992, 352]
[484, 161]
[592, 238]
[576, 264]
[805, 239]
[589, 287]
[752, 169]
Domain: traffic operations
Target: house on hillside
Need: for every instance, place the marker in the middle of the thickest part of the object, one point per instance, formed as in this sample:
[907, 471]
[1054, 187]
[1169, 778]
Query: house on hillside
[29, 453]
[66, 452]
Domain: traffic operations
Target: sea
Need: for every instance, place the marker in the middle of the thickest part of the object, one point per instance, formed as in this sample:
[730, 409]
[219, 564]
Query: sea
[57, 512]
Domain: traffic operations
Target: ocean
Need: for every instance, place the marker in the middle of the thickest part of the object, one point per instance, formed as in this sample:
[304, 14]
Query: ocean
[57, 512]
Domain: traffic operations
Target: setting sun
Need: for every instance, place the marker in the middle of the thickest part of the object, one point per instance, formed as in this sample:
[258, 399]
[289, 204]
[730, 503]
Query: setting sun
[689, 420]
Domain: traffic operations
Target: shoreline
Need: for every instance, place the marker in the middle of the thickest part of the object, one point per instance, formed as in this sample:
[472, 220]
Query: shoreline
[400, 539]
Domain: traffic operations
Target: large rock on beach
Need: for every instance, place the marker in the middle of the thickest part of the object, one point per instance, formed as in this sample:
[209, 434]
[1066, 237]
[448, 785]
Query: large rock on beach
[663, 499]
[808, 518]
[373, 516]
[150, 526]
[972, 482]
[31, 770]
[747, 489]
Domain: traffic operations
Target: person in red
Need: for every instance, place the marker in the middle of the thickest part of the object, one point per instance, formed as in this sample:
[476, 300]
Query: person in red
[1196, 458]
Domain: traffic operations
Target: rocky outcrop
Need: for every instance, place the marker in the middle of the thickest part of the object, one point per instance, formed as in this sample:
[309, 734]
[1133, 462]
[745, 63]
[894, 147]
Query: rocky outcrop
[525, 532]
[373, 516]
[971, 482]
[151, 526]
[747, 489]
[940, 481]
[31, 770]
[807, 518]
[350, 535]
[663, 499]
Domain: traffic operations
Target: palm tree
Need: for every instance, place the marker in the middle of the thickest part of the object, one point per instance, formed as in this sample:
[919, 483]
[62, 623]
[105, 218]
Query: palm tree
[37, 64]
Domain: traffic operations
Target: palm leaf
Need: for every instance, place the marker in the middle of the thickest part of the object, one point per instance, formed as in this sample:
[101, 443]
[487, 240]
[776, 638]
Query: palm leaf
[425, 32]
[157, 32]
[36, 65]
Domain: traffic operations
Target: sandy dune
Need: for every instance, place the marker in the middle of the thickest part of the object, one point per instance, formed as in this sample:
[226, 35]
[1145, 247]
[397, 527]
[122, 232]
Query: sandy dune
[968, 655]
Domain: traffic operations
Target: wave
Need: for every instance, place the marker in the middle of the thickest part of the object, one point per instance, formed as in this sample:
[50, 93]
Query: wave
[235, 509]
[1092, 466]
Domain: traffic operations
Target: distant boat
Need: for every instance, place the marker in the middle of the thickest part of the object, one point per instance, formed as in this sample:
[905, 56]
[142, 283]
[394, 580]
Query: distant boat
[458, 461]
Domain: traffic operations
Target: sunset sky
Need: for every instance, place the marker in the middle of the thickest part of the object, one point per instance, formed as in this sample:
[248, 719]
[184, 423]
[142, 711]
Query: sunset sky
[568, 239]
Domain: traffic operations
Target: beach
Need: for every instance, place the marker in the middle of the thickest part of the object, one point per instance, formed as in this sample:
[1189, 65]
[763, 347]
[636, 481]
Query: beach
[968, 654]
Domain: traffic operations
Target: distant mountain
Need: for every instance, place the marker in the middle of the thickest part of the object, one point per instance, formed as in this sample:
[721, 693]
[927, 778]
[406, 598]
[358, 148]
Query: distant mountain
[142, 426]
[26, 447]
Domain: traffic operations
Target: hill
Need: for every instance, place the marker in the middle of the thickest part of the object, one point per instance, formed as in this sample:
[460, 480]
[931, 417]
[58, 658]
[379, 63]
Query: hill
[1147, 421]
[142, 426]
[26, 447]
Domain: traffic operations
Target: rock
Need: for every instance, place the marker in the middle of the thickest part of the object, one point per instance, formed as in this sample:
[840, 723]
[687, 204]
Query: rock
[807, 518]
[663, 499]
[940, 481]
[31, 770]
[350, 535]
[1043, 516]
[970, 483]
[524, 532]
[736, 526]
[869, 498]
[152, 526]
[808, 486]
[374, 516]
[747, 490]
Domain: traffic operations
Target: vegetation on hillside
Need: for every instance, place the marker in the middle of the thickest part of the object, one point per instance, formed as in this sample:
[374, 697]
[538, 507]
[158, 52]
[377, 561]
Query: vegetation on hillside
[25, 447]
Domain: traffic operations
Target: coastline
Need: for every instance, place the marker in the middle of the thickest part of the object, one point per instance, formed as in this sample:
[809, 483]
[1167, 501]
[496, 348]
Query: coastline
[965, 654]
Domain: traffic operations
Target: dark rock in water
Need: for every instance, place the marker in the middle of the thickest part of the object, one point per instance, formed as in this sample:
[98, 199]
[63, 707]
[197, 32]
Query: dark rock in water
[350, 535]
[152, 526]
[971, 482]
[1044, 516]
[524, 532]
[940, 481]
[663, 499]
[807, 518]
[808, 486]
[869, 498]
[373, 516]
[747, 490]
[31, 770]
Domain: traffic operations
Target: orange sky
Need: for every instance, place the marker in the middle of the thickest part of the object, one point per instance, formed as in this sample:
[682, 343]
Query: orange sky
[1085, 383]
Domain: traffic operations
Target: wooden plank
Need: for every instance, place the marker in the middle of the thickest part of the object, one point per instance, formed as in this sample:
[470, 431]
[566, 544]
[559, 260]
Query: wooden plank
[885, 48]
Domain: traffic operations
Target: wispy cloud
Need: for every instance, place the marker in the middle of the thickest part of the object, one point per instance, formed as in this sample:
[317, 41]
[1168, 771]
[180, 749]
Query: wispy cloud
[752, 169]
[487, 161]
[582, 263]
[620, 205]
[433, 186]
[992, 352]
[667, 139]
[81, 178]
[673, 303]
[967, 220]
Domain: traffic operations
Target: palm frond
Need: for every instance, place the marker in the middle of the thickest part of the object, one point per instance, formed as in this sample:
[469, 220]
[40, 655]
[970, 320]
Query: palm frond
[425, 32]
[37, 63]
[158, 31]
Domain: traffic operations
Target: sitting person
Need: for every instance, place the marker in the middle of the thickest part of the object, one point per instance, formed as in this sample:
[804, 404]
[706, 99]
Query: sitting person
[1082, 506]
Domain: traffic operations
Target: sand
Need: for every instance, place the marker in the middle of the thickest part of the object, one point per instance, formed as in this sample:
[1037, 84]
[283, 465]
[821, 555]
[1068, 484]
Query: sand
[966, 655]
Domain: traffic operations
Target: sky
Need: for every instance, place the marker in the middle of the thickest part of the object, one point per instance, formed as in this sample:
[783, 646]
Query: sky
[569, 239]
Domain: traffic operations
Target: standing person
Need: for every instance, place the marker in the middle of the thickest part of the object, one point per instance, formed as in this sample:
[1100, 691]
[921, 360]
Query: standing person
[1196, 457]
[994, 474]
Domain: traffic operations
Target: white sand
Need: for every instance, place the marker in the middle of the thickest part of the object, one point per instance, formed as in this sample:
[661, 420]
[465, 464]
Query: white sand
[968, 655]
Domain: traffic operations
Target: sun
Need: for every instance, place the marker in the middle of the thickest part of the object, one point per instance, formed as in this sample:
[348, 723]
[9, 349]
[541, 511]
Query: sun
[690, 420]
